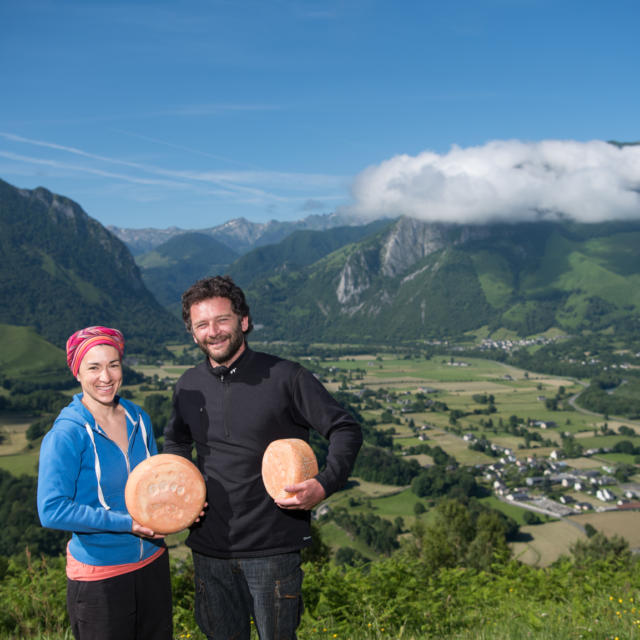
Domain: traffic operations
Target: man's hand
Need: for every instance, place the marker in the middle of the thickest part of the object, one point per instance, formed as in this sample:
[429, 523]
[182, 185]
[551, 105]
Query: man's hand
[202, 513]
[307, 495]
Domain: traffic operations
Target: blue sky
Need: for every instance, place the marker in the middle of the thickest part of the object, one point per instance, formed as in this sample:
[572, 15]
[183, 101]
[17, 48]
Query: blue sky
[156, 113]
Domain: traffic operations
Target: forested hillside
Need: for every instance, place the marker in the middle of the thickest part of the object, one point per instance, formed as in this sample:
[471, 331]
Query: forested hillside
[176, 264]
[62, 270]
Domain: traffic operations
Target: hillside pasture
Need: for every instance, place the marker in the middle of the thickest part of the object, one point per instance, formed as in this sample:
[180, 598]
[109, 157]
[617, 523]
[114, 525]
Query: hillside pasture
[606, 441]
[15, 454]
[511, 510]
[584, 463]
[620, 522]
[549, 542]
[395, 505]
[406, 441]
[20, 463]
[457, 447]
[470, 387]
[616, 458]
[368, 489]
[25, 354]
[538, 452]
[336, 537]
[172, 372]
[615, 424]
[422, 459]
[14, 428]
[438, 368]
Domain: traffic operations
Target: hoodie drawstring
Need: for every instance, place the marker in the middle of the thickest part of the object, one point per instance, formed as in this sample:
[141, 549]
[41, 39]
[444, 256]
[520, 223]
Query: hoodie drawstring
[103, 502]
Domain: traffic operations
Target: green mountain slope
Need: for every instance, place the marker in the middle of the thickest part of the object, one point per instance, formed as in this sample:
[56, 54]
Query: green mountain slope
[416, 280]
[176, 264]
[62, 270]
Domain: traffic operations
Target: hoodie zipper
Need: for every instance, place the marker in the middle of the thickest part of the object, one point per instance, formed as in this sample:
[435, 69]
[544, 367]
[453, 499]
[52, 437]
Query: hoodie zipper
[127, 461]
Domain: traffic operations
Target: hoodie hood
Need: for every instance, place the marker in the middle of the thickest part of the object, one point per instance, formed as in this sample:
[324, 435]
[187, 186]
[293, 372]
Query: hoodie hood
[76, 412]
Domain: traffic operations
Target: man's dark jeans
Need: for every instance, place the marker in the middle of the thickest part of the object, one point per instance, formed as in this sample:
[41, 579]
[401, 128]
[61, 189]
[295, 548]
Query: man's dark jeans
[230, 591]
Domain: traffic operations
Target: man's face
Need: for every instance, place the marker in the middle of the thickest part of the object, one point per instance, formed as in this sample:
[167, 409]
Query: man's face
[217, 330]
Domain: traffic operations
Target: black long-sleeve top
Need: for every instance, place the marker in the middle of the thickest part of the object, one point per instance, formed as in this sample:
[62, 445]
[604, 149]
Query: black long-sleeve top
[231, 418]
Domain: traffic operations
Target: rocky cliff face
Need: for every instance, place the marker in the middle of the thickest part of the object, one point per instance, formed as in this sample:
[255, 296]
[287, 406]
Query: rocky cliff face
[407, 242]
[354, 279]
[410, 241]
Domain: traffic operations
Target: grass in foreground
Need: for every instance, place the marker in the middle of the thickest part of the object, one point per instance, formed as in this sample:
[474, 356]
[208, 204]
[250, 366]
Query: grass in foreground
[394, 598]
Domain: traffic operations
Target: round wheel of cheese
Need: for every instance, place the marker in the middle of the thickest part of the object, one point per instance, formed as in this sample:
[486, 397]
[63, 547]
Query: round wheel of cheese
[285, 462]
[165, 493]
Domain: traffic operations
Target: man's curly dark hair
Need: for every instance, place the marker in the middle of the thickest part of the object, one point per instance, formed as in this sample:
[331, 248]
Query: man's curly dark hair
[215, 287]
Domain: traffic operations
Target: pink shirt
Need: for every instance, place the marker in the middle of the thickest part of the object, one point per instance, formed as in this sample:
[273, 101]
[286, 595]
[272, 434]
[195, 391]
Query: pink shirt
[77, 570]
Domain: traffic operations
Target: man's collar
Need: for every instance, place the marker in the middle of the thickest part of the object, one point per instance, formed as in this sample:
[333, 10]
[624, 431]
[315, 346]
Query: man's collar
[222, 371]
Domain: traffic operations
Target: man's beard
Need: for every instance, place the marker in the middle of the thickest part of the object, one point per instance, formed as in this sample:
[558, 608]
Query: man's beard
[236, 340]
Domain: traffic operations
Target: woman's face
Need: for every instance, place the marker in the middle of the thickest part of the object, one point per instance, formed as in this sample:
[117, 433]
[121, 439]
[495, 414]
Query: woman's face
[100, 373]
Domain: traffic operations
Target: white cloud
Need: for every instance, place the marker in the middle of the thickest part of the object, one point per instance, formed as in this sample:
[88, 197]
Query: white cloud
[508, 181]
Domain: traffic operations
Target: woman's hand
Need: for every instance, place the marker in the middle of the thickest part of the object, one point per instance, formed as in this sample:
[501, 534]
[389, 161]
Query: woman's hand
[144, 532]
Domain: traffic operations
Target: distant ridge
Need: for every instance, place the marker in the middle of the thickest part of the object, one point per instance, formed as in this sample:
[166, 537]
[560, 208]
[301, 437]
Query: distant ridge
[240, 235]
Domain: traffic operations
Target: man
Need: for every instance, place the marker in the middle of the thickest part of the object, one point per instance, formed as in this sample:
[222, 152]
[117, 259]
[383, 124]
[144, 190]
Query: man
[246, 550]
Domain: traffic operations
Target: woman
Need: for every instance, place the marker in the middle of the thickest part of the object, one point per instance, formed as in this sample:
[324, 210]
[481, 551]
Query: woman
[118, 584]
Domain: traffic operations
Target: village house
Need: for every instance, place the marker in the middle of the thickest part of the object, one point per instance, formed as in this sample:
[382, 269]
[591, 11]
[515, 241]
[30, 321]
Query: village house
[605, 495]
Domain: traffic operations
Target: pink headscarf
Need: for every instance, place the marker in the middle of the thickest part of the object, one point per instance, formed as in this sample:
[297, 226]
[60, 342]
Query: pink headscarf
[81, 341]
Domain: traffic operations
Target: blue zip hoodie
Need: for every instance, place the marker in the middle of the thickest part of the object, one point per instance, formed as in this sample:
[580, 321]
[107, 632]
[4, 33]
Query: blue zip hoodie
[81, 481]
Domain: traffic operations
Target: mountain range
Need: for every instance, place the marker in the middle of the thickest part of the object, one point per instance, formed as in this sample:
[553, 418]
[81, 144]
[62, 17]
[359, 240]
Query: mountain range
[240, 235]
[413, 280]
[404, 279]
[390, 281]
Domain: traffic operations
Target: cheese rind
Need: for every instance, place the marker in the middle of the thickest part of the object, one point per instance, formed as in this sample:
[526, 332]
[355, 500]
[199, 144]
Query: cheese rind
[285, 462]
[165, 493]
